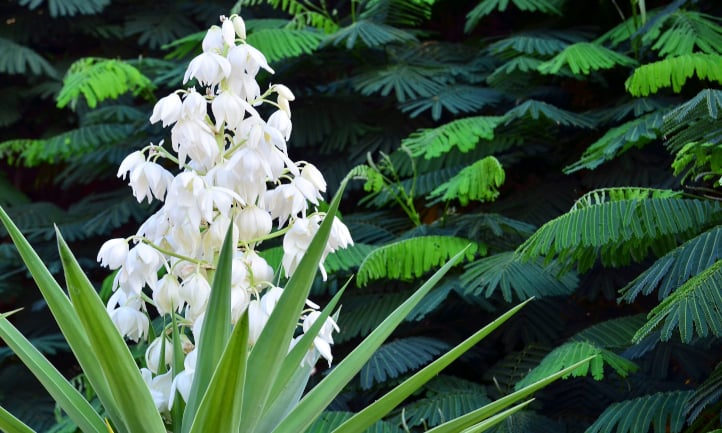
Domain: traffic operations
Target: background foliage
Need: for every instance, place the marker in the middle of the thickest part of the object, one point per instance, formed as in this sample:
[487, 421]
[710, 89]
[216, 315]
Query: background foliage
[575, 145]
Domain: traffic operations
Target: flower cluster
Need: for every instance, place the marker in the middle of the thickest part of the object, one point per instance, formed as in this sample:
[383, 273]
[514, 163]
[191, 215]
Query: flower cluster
[233, 170]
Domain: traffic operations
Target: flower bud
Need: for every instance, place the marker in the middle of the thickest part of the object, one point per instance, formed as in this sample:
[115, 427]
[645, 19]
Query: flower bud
[154, 355]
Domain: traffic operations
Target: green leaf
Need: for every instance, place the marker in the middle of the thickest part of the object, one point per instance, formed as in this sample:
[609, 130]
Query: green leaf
[455, 99]
[215, 333]
[673, 72]
[412, 258]
[584, 58]
[694, 308]
[313, 403]
[98, 79]
[67, 320]
[541, 110]
[62, 8]
[17, 59]
[478, 182]
[662, 412]
[370, 33]
[570, 354]
[130, 393]
[463, 134]
[687, 31]
[505, 272]
[277, 44]
[486, 7]
[279, 329]
[220, 407]
[405, 80]
[65, 394]
[10, 424]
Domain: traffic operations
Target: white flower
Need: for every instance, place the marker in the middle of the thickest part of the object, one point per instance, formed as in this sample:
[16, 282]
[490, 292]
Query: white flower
[257, 319]
[285, 201]
[126, 314]
[183, 381]
[245, 58]
[253, 223]
[113, 253]
[324, 339]
[296, 242]
[339, 237]
[149, 180]
[160, 388]
[213, 40]
[154, 354]
[167, 296]
[281, 120]
[130, 162]
[260, 272]
[196, 291]
[313, 175]
[141, 267]
[229, 108]
[167, 109]
[208, 68]
[240, 298]
[239, 26]
[228, 31]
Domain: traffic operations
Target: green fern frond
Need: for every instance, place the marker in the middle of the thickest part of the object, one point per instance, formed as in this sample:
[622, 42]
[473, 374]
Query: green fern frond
[160, 27]
[613, 334]
[329, 420]
[606, 195]
[686, 32]
[694, 308]
[447, 398]
[300, 11]
[18, 59]
[363, 313]
[572, 352]
[375, 227]
[347, 258]
[619, 230]
[505, 272]
[49, 344]
[98, 214]
[694, 120]
[635, 133]
[65, 8]
[677, 267]
[538, 44]
[406, 81]
[463, 134]
[514, 366]
[674, 72]
[538, 109]
[527, 421]
[520, 64]
[370, 34]
[412, 258]
[661, 412]
[488, 6]
[98, 79]
[10, 195]
[584, 58]
[402, 13]
[400, 356]
[283, 43]
[478, 182]
[455, 99]
[707, 393]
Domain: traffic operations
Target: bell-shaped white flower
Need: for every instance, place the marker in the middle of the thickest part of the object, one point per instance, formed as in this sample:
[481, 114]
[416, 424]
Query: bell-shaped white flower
[313, 175]
[196, 291]
[260, 272]
[159, 351]
[208, 68]
[167, 109]
[130, 162]
[229, 108]
[281, 121]
[183, 381]
[126, 314]
[239, 25]
[149, 180]
[167, 296]
[160, 388]
[253, 223]
[228, 32]
[245, 58]
[257, 319]
[296, 242]
[213, 40]
[113, 253]
[324, 339]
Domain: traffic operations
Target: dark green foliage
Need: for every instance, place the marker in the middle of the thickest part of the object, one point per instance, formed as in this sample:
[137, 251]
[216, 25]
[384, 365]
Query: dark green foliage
[398, 357]
[661, 411]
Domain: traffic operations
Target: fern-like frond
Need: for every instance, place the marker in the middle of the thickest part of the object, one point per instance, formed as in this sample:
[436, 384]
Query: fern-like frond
[406, 81]
[685, 33]
[478, 182]
[572, 352]
[585, 58]
[18, 59]
[535, 44]
[363, 313]
[398, 357]
[412, 258]
[505, 272]
[617, 140]
[62, 8]
[514, 366]
[538, 109]
[673, 72]
[370, 34]
[48, 344]
[677, 267]
[463, 134]
[485, 7]
[283, 43]
[706, 105]
[329, 420]
[348, 258]
[455, 99]
[694, 308]
[611, 334]
[527, 421]
[707, 393]
[99, 79]
[620, 230]
[446, 398]
[400, 13]
[515, 67]
[158, 27]
[301, 11]
[375, 227]
[9, 194]
[661, 412]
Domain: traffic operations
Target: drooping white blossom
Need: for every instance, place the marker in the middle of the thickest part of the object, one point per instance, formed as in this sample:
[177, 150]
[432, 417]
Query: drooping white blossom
[231, 170]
